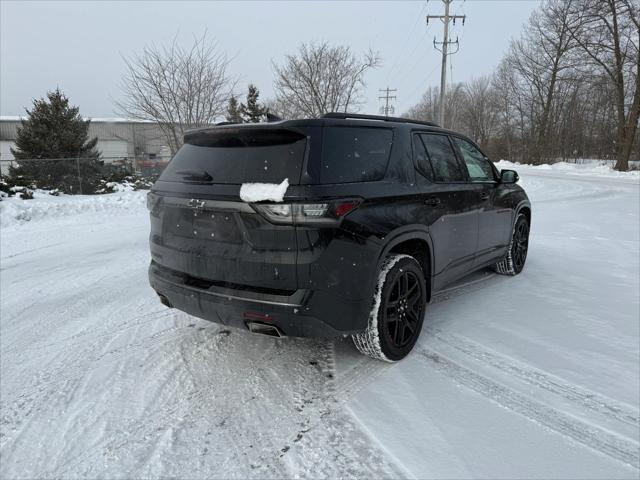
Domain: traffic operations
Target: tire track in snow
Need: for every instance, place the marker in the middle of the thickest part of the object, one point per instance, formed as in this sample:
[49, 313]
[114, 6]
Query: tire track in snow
[97, 351]
[57, 382]
[24, 252]
[84, 339]
[358, 376]
[573, 393]
[545, 189]
[326, 442]
[332, 431]
[69, 371]
[146, 428]
[365, 370]
[80, 338]
[232, 419]
[80, 298]
[312, 434]
[590, 436]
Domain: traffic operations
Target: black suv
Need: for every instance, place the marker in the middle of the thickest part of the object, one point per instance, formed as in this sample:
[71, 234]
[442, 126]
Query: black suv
[379, 213]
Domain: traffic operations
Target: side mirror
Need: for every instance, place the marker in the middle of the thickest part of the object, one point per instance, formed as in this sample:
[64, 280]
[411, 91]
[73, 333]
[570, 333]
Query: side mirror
[509, 176]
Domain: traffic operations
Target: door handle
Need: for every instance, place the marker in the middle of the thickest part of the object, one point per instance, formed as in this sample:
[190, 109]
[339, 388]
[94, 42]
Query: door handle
[432, 201]
[484, 196]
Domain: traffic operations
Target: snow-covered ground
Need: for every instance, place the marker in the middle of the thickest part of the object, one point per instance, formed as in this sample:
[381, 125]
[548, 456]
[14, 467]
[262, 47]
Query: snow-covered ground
[587, 168]
[535, 376]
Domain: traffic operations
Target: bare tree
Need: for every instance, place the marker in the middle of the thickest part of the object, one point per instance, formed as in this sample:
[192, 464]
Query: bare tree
[566, 89]
[540, 58]
[321, 78]
[283, 108]
[428, 107]
[179, 88]
[510, 128]
[480, 110]
[608, 33]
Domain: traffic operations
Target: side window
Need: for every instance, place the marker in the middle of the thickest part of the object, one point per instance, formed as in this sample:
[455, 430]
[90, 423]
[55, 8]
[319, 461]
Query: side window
[443, 158]
[355, 154]
[479, 167]
[422, 158]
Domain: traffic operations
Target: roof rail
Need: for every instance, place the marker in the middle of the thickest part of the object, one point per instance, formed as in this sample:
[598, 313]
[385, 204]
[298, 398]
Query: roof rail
[360, 116]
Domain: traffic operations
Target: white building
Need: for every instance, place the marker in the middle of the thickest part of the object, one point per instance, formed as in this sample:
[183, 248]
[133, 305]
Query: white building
[118, 138]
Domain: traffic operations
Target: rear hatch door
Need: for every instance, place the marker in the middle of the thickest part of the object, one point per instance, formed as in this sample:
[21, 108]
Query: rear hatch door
[199, 225]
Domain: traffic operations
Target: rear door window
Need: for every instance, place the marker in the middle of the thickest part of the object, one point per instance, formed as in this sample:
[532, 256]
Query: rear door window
[353, 154]
[239, 155]
[421, 158]
[443, 158]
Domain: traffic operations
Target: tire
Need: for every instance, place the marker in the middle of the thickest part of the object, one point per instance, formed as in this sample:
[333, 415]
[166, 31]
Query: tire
[514, 261]
[397, 310]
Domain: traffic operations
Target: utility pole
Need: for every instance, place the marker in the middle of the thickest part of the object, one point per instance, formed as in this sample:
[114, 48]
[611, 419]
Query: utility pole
[387, 109]
[446, 18]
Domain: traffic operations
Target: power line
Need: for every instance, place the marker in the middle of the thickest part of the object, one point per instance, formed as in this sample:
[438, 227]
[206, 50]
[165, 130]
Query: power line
[446, 41]
[401, 73]
[422, 82]
[403, 50]
[387, 109]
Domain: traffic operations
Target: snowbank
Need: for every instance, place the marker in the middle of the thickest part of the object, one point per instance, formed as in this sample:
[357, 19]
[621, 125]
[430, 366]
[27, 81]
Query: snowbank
[591, 168]
[260, 192]
[15, 211]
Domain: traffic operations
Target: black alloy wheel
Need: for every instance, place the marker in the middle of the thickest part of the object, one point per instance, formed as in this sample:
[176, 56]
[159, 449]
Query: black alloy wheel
[513, 261]
[520, 245]
[397, 314]
[403, 309]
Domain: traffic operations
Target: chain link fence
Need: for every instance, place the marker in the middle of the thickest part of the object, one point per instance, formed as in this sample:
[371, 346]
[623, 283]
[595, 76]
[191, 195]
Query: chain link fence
[104, 175]
[79, 175]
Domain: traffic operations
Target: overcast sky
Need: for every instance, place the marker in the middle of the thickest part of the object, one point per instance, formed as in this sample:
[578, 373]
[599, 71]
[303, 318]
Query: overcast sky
[79, 45]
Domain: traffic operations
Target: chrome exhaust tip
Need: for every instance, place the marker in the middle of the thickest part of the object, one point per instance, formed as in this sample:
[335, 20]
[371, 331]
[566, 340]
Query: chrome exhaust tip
[265, 329]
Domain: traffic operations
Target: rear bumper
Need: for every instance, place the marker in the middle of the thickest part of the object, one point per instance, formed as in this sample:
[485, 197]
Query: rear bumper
[303, 313]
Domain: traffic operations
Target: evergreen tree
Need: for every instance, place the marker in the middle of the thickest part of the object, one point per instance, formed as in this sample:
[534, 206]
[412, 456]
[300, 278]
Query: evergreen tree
[253, 112]
[233, 111]
[55, 130]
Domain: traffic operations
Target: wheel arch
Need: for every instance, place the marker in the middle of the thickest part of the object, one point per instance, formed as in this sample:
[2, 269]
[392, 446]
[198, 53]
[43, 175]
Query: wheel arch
[417, 243]
[525, 209]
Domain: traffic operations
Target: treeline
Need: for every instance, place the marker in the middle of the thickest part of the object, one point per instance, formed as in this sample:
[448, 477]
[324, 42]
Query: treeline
[182, 88]
[567, 88]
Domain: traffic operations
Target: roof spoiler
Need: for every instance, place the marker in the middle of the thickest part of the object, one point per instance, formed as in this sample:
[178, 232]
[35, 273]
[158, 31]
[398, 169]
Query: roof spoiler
[271, 117]
[359, 116]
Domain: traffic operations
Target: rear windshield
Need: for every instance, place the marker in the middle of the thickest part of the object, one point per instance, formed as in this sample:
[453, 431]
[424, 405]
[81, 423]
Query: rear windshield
[236, 156]
[352, 154]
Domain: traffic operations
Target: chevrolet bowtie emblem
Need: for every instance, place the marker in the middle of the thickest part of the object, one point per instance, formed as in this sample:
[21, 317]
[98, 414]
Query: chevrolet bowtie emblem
[196, 204]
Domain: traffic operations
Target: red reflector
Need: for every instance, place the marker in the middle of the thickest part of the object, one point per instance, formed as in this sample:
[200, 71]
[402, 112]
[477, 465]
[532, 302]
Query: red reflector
[258, 316]
[343, 208]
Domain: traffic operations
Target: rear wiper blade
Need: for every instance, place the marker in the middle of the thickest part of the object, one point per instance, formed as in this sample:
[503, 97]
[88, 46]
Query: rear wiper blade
[196, 175]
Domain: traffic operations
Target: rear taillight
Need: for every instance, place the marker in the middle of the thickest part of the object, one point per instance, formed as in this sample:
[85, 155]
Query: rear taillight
[326, 213]
[153, 203]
